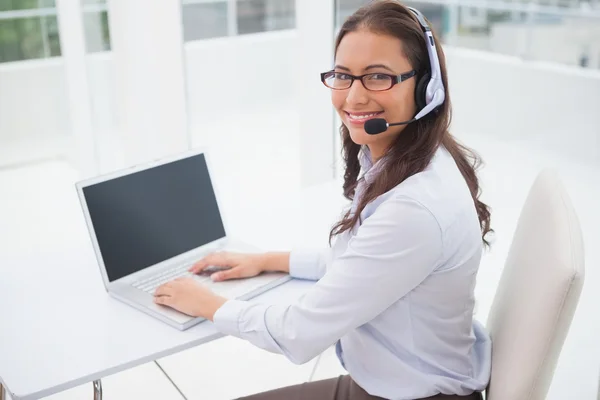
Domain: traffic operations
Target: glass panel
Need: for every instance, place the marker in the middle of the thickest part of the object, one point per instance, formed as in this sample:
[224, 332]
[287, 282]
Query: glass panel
[435, 14]
[95, 24]
[265, 15]
[97, 33]
[505, 33]
[552, 37]
[345, 8]
[204, 20]
[564, 39]
[50, 26]
[12, 5]
[499, 31]
[28, 38]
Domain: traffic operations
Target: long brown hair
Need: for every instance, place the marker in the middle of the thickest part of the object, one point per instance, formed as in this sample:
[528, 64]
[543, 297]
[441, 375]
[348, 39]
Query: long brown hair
[414, 147]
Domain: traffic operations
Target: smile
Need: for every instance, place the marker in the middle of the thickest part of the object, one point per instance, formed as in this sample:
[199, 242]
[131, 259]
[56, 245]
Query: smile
[359, 118]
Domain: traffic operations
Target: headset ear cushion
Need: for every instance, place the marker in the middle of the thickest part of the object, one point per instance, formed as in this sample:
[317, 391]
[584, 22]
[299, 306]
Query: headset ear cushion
[421, 91]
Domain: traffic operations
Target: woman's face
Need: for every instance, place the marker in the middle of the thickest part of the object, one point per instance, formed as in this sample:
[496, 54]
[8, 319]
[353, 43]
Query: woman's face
[363, 52]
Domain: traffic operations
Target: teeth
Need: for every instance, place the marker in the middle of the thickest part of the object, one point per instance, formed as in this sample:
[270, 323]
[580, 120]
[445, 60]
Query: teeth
[352, 116]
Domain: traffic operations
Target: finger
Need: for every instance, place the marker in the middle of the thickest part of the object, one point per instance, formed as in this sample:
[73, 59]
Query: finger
[204, 263]
[233, 273]
[164, 300]
[163, 290]
[220, 259]
[199, 266]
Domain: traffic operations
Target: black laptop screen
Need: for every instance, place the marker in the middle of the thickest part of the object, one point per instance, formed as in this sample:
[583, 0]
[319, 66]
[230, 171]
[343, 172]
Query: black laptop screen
[150, 216]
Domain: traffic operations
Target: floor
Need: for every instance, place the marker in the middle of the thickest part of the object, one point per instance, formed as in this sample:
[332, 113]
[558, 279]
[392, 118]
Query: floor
[229, 368]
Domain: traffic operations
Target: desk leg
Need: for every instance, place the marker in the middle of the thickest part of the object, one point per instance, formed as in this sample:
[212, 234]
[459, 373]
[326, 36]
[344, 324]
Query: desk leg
[2, 393]
[97, 390]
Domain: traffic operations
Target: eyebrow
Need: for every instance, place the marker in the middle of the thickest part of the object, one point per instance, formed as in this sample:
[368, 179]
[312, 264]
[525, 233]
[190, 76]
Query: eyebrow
[372, 66]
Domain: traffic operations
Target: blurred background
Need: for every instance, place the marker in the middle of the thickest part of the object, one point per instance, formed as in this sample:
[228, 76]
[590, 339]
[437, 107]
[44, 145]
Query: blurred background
[237, 56]
[89, 86]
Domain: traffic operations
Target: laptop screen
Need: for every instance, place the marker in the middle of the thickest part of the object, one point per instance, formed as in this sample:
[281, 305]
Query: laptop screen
[150, 216]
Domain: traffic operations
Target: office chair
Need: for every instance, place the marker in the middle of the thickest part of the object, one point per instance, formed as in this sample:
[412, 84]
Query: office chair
[537, 295]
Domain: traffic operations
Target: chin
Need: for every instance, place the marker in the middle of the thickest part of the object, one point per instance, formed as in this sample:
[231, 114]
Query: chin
[359, 136]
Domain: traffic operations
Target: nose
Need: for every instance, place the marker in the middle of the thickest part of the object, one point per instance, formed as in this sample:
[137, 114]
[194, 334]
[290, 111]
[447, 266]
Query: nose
[357, 94]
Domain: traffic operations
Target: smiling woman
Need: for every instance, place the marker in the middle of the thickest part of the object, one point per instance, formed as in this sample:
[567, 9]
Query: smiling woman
[395, 291]
[377, 48]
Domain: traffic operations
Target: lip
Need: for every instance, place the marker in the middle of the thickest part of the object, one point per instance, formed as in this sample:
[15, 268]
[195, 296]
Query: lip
[361, 121]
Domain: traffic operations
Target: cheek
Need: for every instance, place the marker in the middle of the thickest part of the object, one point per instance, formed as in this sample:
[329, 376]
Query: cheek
[399, 104]
[338, 98]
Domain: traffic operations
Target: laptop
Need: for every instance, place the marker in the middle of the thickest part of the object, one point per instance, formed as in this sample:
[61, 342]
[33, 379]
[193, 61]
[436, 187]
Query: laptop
[150, 223]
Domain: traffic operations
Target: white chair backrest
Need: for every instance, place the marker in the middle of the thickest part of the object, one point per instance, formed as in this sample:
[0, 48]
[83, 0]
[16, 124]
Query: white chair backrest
[537, 294]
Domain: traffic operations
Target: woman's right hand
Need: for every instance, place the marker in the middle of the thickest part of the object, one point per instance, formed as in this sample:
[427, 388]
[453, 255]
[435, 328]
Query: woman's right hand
[236, 265]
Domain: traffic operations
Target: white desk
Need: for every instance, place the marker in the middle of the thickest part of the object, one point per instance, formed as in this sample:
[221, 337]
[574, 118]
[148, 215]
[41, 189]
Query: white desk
[59, 329]
[57, 335]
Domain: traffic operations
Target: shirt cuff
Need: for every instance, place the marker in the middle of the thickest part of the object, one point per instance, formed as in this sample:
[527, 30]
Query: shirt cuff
[306, 264]
[227, 317]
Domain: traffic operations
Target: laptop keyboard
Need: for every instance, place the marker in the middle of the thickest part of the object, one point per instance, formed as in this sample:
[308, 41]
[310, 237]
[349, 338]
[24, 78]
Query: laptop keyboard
[150, 284]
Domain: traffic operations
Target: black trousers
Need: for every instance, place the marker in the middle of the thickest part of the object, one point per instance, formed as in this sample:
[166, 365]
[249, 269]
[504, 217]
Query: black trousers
[341, 388]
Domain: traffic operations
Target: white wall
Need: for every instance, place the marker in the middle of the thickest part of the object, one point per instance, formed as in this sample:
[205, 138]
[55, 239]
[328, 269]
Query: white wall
[554, 106]
[249, 71]
[33, 109]
[33, 100]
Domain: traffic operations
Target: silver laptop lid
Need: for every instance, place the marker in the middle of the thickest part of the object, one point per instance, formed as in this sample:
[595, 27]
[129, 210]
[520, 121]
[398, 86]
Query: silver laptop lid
[145, 216]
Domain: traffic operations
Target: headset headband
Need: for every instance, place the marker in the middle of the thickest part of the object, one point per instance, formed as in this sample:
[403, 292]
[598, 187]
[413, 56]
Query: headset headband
[435, 93]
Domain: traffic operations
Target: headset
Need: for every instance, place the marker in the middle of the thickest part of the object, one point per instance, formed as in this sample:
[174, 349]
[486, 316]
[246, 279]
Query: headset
[429, 91]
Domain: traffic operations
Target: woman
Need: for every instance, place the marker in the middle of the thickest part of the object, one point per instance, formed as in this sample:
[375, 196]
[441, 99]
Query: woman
[395, 291]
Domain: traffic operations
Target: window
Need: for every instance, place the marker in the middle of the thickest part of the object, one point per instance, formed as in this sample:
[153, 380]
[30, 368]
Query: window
[95, 25]
[565, 34]
[28, 30]
[434, 13]
[345, 8]
[265, 15]
[203, 19]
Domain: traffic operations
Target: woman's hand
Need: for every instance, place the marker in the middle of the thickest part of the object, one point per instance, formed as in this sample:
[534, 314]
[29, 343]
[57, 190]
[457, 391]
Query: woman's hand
[189, 297]
[239, 265]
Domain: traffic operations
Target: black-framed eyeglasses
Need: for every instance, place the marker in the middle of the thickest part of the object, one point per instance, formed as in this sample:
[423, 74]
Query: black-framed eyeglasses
[374, 81]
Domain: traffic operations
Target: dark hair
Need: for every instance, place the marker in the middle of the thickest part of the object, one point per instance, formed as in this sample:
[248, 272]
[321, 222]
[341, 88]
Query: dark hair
[413, 149]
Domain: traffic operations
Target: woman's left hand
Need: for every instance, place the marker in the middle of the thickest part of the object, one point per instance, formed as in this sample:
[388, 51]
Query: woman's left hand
[189, 297]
